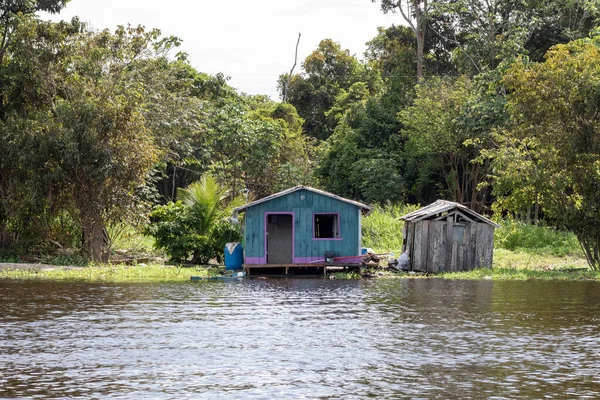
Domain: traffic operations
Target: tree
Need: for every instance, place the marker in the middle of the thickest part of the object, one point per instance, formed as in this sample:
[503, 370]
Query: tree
[12, 11]
[79, 134]
[184, 100]
[445, 129]
[361, 159]
[392, 52]
[416, 15]
[553, 141]
[487, 32]
[327, 71]
[258, 145]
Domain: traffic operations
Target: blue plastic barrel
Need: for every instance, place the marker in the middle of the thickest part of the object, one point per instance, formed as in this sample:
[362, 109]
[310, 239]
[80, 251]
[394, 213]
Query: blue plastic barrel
[234, 256]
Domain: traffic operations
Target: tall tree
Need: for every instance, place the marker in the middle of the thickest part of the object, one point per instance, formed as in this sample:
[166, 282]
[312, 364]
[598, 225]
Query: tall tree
[360, 159]
[327, 71]
[445, 129]
[30, 77]
[489, 31]
[416, 15]
[86, 113]
[258, 145]
[12, 11]
[553, 141]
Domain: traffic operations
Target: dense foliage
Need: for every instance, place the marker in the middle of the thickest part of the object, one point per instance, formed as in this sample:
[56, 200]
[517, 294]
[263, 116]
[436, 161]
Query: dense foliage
[492, 104]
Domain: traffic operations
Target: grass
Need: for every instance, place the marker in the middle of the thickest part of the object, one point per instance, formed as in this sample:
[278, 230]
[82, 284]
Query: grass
[129, 241]
[521, 252]
[512, 274]
[113, 273]
[518, 268]
[382, 229]
[536, 261]
[522, 237]
[344, 275]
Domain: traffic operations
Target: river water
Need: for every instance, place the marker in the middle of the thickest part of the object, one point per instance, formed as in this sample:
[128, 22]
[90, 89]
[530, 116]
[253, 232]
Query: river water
[300, 338]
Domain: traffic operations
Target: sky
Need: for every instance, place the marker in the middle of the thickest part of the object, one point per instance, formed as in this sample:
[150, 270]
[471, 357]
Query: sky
[253, 42]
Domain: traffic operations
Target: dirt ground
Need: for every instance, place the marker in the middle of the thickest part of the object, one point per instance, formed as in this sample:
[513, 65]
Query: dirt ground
[38, 267]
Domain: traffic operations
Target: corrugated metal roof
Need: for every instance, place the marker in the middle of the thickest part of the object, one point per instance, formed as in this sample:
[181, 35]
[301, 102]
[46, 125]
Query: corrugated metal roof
[300, 187]
[441, 206]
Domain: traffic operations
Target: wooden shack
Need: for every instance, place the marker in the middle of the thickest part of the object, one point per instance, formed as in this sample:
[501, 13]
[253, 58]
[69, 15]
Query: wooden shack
[301, 227]
[447, 236]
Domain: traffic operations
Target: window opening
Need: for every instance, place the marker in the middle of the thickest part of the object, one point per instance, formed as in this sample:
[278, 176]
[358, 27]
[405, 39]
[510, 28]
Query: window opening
[458, 234]
[326, 226]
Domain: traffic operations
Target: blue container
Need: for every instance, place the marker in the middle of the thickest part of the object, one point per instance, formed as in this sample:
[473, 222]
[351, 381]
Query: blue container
[234, 256]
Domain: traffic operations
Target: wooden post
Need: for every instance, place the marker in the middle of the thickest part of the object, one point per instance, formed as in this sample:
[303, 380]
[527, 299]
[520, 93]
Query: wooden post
[449, 242]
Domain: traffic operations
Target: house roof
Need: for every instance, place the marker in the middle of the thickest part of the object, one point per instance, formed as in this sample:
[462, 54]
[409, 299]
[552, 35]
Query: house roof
[366, 209]
[442, 206]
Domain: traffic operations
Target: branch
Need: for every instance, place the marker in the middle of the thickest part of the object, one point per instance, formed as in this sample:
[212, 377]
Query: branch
[287, 84]
[412, 26]
[458, 44]
[5, 41]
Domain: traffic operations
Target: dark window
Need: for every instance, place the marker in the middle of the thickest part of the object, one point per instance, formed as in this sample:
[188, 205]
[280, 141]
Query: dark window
[458, 234]
[326, 226]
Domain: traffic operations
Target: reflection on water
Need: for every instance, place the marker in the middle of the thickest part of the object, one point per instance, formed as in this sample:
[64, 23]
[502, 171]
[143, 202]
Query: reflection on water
[300, 338]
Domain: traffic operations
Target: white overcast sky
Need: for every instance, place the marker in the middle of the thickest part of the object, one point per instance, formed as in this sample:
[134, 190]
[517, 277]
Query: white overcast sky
[250, 41]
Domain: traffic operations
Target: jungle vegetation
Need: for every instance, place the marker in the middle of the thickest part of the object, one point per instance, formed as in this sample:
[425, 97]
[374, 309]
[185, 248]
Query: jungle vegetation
[494, 104]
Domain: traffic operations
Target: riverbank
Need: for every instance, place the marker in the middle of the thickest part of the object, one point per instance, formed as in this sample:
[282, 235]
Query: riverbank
[139, 272]
[507, 266]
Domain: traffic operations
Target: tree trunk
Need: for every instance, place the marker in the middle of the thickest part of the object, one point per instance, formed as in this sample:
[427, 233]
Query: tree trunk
[420, 47]
[492, 40]
[95, 239]
[591, 248]
[417, 10]
[421, 25]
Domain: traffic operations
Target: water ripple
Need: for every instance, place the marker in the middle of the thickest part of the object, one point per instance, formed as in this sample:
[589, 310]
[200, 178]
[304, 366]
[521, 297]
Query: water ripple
[301, 338]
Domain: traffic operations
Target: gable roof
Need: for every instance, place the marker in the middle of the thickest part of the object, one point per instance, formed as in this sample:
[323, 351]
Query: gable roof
[441, 206]
[366, 209]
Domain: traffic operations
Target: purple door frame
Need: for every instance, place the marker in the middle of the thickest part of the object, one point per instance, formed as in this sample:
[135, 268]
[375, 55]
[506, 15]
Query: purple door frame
[266, 260]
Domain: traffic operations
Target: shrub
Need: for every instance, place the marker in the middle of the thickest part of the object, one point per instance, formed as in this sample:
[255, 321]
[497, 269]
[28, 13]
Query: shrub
[515, 235]
[382, 229]
[196, 227]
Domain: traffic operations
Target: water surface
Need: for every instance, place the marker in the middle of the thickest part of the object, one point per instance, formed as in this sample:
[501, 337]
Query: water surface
[300, 338]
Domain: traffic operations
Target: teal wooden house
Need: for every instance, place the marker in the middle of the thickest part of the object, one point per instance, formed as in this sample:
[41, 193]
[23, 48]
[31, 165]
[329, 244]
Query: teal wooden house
[302, 226]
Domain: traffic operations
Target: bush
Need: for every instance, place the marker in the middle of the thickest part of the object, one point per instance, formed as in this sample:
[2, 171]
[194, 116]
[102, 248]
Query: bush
[382, 229]
[197, 227]
[176, 230]
[515, 235]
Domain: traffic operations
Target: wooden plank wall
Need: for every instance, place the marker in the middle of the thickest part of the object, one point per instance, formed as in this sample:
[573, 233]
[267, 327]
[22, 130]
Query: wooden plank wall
[303, 203]
[433, 248]
[485, 246]
[421, 237]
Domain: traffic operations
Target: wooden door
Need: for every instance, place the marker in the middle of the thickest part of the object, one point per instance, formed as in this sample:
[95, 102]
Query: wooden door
[280, 239]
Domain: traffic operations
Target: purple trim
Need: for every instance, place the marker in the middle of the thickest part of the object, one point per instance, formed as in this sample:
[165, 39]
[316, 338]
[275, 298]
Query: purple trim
[255, 260]
[338, 223]
[350, 260]
[308, 260]
[293, 232]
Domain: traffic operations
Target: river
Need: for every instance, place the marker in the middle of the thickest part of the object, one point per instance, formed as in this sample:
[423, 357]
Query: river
[300, 338]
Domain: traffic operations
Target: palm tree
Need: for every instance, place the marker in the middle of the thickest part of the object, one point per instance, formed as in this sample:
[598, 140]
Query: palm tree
[210, 205]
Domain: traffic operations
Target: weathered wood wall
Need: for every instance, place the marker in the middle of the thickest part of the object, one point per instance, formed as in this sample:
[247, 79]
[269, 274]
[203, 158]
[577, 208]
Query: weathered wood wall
[433, 248]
